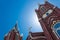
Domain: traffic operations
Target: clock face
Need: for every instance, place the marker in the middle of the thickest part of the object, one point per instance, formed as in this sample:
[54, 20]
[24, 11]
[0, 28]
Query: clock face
[56, 28]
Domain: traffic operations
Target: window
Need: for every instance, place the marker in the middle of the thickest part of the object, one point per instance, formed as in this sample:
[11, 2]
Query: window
[42, 8]
[56, 28]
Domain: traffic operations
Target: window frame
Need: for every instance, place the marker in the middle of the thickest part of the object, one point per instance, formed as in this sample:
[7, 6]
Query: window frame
[55, 30]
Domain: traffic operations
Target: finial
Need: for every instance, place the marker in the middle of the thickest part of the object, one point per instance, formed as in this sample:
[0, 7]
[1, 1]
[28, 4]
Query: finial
[30, 29]
[45, 0]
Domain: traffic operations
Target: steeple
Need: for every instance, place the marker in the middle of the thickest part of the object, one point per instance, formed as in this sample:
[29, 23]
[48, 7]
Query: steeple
[16, 27]
[49, 18]
[14, 34]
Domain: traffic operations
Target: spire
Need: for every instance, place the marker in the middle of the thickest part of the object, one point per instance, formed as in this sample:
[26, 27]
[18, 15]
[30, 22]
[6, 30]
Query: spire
[16, 27]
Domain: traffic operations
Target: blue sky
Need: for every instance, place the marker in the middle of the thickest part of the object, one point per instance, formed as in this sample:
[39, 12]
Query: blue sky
[24, 12]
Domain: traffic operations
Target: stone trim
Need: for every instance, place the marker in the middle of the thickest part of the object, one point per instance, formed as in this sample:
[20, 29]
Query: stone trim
[36, 37]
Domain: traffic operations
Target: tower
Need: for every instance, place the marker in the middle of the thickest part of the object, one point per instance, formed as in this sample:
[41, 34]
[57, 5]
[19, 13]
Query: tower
[49, 18]
[13, 34]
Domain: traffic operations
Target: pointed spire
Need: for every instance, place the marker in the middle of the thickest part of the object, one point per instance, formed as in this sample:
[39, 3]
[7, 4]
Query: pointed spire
[16, 27]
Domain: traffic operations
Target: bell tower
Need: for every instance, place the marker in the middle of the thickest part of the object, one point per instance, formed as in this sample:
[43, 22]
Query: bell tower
[49, 18]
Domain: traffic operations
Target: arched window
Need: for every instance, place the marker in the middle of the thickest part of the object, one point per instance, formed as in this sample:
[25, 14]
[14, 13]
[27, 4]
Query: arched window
[56, 28]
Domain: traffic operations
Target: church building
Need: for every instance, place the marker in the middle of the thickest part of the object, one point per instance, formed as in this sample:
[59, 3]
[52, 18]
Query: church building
[49, 18]
[13, 34]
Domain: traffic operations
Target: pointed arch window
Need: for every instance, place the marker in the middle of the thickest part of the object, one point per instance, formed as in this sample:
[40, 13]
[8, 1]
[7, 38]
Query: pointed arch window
[56, 28]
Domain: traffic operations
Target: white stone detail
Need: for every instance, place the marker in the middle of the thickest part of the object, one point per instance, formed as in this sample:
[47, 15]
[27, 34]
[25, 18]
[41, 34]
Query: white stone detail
[36, 37]
[49, 12]
[17, 33]
[39, 18]
[15, 29]
[55, 34]
[44, 16]
[54, 7]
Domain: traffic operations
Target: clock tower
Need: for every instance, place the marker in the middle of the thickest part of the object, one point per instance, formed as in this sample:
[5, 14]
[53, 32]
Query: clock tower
[49, 18]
